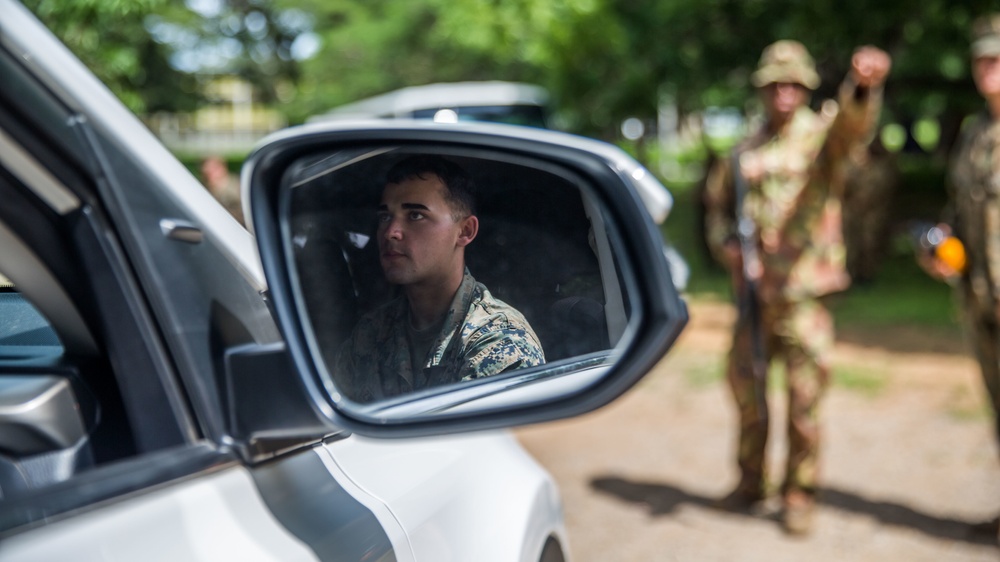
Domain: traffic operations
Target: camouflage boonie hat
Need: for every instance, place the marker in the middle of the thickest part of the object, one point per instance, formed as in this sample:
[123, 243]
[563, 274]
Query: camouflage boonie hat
[786, 61]
[986, 36]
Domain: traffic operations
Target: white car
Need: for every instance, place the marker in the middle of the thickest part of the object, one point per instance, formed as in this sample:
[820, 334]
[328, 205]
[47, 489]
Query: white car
[166, 390]
[494, 101]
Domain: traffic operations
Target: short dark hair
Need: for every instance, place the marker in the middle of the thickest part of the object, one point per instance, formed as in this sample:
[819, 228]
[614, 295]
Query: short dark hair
[460, 189]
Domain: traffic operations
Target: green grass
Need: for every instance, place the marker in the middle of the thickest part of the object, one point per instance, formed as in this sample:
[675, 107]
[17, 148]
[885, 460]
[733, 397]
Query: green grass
[967, 413]
[900, 294]
[962, 405]
[863, 380]
[705, 374]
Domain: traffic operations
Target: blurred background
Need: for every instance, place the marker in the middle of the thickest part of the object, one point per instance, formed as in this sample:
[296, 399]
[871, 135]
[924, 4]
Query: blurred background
[911, 461]
[665, 79]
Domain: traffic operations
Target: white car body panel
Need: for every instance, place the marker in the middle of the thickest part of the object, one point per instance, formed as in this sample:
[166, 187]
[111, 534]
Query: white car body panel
[386, 518]
[469, 497]
[218, 516]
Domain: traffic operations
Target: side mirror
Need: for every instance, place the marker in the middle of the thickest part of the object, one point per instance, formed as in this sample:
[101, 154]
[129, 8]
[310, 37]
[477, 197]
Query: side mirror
[557, 301]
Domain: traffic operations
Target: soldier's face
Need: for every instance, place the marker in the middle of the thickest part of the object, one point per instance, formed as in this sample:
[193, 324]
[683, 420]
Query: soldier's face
[781, 99]
[420, 240]
[986, 71]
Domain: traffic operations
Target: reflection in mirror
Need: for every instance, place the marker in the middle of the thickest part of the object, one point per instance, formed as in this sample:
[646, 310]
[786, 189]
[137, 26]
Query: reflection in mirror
[422, 267]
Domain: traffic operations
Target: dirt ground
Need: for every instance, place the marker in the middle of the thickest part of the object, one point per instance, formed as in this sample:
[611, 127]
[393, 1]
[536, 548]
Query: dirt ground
[909, 458]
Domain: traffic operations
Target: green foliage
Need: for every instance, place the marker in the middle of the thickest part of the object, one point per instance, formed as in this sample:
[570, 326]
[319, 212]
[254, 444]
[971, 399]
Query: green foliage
[110, 37]
[252, 39]
[602, 60]
[705, 374]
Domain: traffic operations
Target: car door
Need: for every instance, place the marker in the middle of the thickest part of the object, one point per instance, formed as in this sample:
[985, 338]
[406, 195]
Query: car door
[127, 286]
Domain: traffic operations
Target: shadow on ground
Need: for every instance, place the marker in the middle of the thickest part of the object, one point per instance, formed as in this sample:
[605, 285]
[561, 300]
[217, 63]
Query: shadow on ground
[663, 499]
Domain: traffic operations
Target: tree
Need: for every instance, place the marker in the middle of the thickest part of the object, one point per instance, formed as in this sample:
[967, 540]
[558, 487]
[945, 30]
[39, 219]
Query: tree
[605, 60]
[111, 38]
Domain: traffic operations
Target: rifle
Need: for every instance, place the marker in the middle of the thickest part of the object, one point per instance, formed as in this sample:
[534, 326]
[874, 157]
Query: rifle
[749, 305]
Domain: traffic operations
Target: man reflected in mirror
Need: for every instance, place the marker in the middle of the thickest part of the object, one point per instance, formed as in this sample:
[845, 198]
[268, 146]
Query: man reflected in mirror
[443, 326]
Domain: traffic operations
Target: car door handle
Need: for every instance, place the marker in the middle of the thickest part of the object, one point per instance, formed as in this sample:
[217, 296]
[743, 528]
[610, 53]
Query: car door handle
[183, 231]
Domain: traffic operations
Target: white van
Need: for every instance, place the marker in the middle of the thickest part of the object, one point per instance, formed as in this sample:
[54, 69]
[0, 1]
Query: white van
[495, 101]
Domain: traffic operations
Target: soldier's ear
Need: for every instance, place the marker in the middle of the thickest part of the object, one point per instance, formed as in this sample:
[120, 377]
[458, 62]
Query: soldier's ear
[469, 229]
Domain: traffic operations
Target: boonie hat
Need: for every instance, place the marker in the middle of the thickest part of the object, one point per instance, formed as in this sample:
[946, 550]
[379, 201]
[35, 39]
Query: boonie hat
[786, 61]
[986, 36]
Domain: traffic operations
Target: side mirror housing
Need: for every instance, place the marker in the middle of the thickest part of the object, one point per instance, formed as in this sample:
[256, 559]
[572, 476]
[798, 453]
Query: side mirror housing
[565, 241]
[268, 408]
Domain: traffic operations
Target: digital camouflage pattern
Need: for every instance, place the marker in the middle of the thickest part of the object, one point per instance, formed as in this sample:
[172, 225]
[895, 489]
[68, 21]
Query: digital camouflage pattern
[801, 336]
[795, 201]
[974, 183]
[481, 336]
[871, 181]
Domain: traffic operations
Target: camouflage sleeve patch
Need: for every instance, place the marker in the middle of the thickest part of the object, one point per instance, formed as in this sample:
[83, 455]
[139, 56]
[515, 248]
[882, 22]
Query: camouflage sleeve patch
[500, 346]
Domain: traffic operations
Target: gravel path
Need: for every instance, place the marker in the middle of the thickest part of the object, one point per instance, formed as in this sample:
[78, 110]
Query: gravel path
[909, 460]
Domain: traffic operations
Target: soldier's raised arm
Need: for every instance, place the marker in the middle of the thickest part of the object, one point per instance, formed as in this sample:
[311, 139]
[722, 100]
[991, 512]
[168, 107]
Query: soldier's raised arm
[859, 100]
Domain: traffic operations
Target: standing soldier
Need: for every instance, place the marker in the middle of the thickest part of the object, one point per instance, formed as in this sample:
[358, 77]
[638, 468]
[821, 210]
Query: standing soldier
[870, 186]
[773, 221]
[974, 215]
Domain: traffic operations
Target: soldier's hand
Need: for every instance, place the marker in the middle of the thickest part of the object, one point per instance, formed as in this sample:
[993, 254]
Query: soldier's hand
[870, 66]
[936, 268]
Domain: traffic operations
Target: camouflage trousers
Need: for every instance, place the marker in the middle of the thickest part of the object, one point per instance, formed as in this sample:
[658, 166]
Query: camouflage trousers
[985, 334]
[800, 336]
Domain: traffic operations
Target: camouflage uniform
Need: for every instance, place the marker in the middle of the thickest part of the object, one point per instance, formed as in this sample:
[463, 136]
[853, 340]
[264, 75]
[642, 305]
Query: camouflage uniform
[872, 178]
[795, 205]
[481, 336]
[974, 182]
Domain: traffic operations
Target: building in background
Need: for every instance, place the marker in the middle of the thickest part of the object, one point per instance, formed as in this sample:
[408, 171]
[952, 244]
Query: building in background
[232, 122]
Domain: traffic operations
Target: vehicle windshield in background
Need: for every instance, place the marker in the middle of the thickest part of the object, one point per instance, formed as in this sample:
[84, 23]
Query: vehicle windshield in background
[494, 101]
[525, 115]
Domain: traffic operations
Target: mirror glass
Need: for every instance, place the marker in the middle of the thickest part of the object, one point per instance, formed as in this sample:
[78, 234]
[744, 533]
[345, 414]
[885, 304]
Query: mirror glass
[434, 279]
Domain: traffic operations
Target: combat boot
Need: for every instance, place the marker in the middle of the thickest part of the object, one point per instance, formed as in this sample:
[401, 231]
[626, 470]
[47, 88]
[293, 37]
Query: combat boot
[749, 502]
[799, 513]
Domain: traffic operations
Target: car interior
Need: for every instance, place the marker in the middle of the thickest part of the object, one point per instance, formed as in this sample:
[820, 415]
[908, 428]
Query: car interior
[58, 413]
[535, 250]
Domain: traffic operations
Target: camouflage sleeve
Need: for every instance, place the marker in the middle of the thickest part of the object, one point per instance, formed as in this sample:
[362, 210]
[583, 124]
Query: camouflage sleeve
[959, 170]
[720, 203]
[501, 346]
[857, 114]
[347, 370]
[993, 245]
